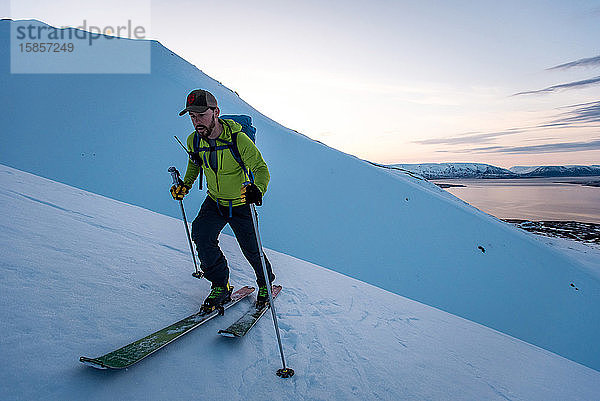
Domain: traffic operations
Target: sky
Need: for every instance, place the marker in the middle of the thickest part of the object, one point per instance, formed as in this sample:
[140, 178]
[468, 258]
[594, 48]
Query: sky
[510, 83]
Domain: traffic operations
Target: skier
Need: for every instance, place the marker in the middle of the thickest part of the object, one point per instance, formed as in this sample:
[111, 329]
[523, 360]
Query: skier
[230, 194]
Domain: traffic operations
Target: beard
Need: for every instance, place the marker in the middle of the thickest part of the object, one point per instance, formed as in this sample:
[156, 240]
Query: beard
[206, 129]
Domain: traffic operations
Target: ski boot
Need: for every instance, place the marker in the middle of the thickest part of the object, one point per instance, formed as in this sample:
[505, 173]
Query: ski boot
[262, 298]
[217, 297]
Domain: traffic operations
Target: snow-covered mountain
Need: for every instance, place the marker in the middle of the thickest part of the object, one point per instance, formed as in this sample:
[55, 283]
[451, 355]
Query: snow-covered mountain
[112, 135]
[479, 170]
[82, 274]
[456, 170]
[563, 171]
[523, 169]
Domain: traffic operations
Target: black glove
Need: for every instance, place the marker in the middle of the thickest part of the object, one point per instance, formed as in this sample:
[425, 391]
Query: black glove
[195, 158]
[180, 190]
[251, 194]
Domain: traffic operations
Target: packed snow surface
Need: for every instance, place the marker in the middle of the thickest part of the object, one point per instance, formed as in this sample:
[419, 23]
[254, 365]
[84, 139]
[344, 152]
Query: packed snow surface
[82, 274]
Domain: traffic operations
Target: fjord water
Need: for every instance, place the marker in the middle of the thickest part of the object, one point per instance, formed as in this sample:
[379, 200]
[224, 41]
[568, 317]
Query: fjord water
[555, 198]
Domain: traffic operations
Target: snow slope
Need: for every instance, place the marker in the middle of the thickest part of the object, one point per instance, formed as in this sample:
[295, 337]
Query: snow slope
[112, 135]
[82, 274]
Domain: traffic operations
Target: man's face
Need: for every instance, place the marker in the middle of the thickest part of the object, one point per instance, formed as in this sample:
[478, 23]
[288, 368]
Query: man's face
[203, 122]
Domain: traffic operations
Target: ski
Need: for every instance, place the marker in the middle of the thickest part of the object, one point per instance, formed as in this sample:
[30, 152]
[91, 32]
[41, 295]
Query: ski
[138, 350]
[249, 319]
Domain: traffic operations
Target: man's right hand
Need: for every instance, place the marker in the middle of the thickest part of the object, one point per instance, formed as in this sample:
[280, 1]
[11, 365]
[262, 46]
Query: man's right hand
[179, 191]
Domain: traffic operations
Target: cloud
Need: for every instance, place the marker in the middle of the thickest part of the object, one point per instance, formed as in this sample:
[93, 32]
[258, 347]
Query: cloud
[577, 115]
[576, 84]
[584, 62]
[552, 125]
[537, 149]
[469, 138]
[580, 113]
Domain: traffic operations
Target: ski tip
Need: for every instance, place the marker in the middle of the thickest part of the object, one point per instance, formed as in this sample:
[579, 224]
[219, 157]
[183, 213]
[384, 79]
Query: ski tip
[92, 362]
[227, 334]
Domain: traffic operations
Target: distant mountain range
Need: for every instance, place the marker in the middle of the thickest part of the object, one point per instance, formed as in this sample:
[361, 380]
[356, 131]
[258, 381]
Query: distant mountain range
[561, 171]
[481, 170]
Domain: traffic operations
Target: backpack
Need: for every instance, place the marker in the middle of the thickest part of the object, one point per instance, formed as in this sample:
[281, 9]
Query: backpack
[247, 128]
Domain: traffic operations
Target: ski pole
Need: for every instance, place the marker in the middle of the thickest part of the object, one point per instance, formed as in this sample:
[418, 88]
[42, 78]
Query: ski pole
[175, 176]
[284, 372]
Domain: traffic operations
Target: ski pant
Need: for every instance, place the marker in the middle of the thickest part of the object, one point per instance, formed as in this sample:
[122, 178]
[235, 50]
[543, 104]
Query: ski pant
[206, 228]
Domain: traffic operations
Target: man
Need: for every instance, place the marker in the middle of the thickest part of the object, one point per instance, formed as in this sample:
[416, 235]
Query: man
[228, 199]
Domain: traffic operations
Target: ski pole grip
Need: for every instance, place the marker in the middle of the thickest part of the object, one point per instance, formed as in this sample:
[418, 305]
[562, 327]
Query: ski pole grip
[174, 175]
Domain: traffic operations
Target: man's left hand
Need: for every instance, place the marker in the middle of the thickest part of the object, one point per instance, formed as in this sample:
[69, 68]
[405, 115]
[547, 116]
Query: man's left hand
[251, 194]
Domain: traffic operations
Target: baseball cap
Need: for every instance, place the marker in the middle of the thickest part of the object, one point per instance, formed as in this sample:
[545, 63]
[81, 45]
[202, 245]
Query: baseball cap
[199, 101]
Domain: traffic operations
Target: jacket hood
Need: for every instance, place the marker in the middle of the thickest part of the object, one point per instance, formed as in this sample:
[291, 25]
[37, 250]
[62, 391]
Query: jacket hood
[229, 126]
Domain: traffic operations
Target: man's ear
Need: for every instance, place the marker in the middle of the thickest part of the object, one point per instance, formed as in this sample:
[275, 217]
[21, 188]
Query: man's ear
[217, 112]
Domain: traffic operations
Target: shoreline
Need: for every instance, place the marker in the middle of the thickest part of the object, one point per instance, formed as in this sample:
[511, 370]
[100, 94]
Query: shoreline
[595, 183]
[586, 181]
[582, 232]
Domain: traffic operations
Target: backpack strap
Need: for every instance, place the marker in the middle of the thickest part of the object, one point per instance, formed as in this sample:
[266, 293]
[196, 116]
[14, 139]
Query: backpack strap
[235, 152]
[198, 149]
[232, 146]
[196, 145]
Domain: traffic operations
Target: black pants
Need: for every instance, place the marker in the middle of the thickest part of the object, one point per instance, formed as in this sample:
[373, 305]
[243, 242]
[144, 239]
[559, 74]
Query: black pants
[206, 228]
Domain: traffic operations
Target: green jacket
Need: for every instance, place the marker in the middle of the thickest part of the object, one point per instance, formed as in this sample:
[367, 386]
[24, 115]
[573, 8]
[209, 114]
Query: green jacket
[225, 185]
